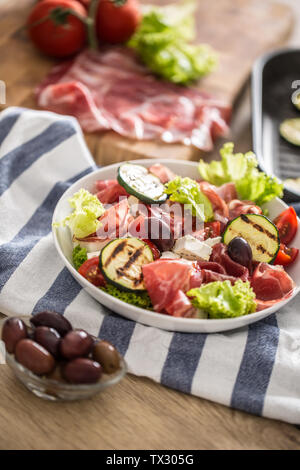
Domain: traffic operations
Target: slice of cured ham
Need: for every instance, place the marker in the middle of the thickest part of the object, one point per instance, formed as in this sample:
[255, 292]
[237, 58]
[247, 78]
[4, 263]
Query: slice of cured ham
[180, 306]
[237, 207]
[219, 205]
[211, 266]
[115, 221]
[111, 90]
[92, 243]
[219, 255]
[109, 191]
[227, 191]
[163, 279]
[262, 304]
[212, 276]
[208, 271]
[162, 172]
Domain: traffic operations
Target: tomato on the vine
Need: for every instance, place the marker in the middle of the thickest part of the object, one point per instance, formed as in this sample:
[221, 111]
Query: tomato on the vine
[54, 30]
[117, 20]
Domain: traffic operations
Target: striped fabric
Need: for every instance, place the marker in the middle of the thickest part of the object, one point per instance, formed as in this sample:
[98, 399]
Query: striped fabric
[255, 369]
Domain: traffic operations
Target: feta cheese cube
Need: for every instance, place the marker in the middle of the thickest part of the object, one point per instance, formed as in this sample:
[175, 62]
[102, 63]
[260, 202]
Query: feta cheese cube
[169, 255]
[93, 254]
[213, 241]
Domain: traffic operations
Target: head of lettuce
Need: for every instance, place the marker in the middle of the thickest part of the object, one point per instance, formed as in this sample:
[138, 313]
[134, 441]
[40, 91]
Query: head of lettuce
[242, 169]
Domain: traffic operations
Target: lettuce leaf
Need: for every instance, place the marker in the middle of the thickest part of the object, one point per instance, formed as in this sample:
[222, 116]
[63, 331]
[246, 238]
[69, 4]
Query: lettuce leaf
[162, 41]
[141, 300]
[251, 184]
[187, 191]
[220, 299]
[84, 219]
[79, 256]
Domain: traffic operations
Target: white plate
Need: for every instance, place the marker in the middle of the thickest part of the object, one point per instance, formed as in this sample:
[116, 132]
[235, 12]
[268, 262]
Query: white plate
[63, 243]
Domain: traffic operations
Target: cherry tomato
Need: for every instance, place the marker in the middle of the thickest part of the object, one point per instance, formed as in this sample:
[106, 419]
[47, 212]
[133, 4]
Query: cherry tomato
[117, 23]
[154, 249]
[285, 255]
[60, 35]
[90, 270]
[287, 224]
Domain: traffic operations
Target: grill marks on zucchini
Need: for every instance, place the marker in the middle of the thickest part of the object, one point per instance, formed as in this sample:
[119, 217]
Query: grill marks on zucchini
[125, 270]
[121, 262]
[133, 257]
[136, 281]
[258, 227]
[260, 233]
[263, 250]
[119, 248]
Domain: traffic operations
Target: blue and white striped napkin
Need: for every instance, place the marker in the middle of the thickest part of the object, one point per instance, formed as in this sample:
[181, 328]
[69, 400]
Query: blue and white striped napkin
[255, 369]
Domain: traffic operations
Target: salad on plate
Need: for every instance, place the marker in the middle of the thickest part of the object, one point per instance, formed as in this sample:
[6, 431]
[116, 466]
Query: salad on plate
[183, 247]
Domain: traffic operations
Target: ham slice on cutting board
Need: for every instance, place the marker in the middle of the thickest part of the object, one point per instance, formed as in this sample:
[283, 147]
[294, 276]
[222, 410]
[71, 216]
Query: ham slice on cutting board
[111, 90]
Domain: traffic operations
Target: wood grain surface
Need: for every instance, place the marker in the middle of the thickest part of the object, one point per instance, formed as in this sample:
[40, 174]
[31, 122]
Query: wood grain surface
[135, 414]
[239, 30]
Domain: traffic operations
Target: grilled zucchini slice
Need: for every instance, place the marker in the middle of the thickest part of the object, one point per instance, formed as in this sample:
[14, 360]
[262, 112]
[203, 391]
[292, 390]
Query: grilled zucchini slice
[137, 181]
[261, 234]
[121, 263]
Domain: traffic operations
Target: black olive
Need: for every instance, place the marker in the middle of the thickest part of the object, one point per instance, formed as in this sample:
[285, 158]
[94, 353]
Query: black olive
[240, 251]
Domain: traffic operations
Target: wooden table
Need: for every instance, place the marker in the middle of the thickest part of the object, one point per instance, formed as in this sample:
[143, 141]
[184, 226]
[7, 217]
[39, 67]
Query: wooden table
[138, 413]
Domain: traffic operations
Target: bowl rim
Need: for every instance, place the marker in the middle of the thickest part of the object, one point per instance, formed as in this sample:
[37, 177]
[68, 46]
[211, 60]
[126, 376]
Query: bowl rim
[237, 322]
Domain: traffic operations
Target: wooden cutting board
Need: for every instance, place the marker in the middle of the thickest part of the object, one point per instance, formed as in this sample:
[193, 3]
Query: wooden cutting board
[240, 30]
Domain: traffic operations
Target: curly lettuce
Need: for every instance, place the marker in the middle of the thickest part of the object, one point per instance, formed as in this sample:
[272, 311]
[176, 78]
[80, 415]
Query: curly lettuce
[84, 219]
[241, 169]
[141, 300]
[79, 256]
[187, 191]
[220, 299]
[162, 42]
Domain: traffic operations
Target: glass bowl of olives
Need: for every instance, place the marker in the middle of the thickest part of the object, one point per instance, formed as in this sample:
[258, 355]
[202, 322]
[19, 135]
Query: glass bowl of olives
[59, 363]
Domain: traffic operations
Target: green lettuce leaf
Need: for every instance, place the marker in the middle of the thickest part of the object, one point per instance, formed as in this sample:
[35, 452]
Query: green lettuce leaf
[220, 299]
[79, 256]
[141, 300]
[84, 219]
[187, 191]
[162, 42]
[251, 184]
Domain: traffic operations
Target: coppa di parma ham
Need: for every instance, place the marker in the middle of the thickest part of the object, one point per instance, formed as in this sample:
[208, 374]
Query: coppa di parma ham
[111, 90]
